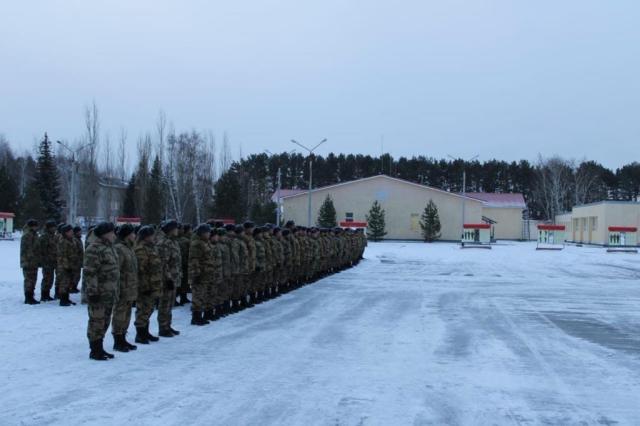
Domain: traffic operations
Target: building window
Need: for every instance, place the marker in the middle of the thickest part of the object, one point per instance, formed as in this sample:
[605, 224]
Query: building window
[348, 217]
[415, 222]
[594, 223]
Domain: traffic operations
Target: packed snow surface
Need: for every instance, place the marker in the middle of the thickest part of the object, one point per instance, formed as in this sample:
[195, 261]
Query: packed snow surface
[415, 334]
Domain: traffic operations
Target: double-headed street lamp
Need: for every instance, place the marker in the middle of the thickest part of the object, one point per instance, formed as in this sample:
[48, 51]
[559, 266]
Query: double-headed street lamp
[464, 184]
[310, 150]
[73, 196]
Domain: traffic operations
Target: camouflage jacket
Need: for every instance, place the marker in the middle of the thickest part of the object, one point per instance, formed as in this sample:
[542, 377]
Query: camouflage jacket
[225, 251]
[268, 252]
[149, 267]
[234, 255]
[128, 264]
[286, 251]
[101, 271]
[47, 245]
[260, 255]
[201, 262]
[216, 256]
[250, 242]
[67, 253]
[243, 257]
[29, 250]
[185, 242]
[169, 251]
[77, 242]
[278, 252]
[90, 238]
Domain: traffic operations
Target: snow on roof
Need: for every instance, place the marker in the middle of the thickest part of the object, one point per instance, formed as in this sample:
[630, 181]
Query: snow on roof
[453, 194]
[499, 200]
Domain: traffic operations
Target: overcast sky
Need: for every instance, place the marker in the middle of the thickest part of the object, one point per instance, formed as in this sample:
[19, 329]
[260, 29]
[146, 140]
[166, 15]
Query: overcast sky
[505, 79]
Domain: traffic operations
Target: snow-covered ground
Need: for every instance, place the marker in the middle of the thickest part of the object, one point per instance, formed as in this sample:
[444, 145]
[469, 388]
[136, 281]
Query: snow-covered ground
[416, 334]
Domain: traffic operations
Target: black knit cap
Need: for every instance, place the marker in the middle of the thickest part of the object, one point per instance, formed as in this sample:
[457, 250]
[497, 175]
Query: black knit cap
[125, 230]
[290, 224]
[169, 225]
[239, 229]
[202, 229]
[257, 231]
[248, 225]
[32, 222]
[77, 229]
[66, 228]
[186, 227]
[51, 224]
[145, 232]
[221, 231]
[219, 224]
[230, 227]
[60, 226]
[103, 228]
[285, 232]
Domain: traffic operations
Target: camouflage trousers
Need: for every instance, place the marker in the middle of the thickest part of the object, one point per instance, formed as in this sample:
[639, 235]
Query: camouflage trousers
[165, 305]
[237, 284]
[48, 275]
[256, 282]
[99, 319]
[198, 297]
[64, 279]
[184, 285]
[30, 279]
[225, 289]
[144, 308]
[121, 316]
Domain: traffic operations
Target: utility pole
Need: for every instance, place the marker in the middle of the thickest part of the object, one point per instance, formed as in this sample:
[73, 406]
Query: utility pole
[73, 196]
[464, 186]
[310, 150]
[278, 187]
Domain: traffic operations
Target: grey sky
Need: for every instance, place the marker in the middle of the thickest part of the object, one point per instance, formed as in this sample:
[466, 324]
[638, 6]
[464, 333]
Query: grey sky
[505, 79]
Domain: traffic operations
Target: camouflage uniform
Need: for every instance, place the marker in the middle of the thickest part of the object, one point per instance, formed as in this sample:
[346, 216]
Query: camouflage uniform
[258, 276]
[101, 278]
[128, 265]
[201, 271]
[149, 281]
[77, 271]
[169, 251]
[49, 259]
[214, 290]
[185, 242]
[250, 243]
[244, 271]
[29, 259]
[68, 261]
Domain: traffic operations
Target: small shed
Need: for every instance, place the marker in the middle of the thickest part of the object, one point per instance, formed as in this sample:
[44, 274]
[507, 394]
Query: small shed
[6, 225]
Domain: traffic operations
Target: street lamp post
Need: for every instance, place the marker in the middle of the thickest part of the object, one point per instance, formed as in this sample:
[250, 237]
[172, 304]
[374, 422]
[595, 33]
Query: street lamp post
[464, 186]
[310, 150]
[73, 196]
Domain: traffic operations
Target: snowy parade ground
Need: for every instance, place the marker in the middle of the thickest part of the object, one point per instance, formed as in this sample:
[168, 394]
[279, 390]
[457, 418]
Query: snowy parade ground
[416, 334]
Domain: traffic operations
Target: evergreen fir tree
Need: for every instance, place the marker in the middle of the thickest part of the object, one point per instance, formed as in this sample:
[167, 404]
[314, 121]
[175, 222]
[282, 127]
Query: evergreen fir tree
[228, 201]
[48, 182]
[430, 222]
[327, 214]
[154, 198]
[129, 205]
[376, 222]
[8, 191]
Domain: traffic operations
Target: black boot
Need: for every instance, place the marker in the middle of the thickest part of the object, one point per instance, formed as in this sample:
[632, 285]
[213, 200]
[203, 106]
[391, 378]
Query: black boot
[165, 332]
[150, 336]
[184, 299]
[209, 315]
[64, 300]
[174, 331]
[196, 318]
[45, 297]
[96, 353]
[29, 299]
[119, 344]
[105, 353]
[74, 290]
[141, 336]
[129, 345]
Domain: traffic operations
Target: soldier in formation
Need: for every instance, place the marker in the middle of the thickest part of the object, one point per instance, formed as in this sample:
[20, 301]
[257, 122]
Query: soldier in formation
[227, 268]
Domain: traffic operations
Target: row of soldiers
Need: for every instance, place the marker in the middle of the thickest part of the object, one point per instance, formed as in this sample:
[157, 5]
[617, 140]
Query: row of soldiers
[59, 251]
[227, 268]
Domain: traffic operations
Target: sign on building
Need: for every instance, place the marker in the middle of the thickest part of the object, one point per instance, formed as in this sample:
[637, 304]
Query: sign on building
[6, 225]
